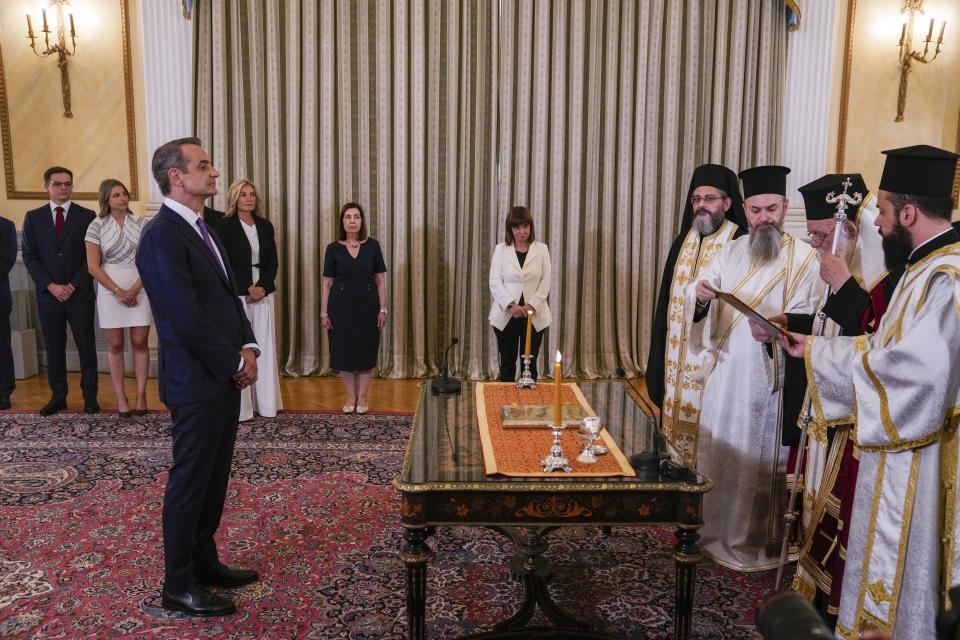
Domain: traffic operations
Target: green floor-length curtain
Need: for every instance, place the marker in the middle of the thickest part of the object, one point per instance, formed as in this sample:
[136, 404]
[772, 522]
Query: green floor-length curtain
[605, 108]
[438, 115]
[386, 103]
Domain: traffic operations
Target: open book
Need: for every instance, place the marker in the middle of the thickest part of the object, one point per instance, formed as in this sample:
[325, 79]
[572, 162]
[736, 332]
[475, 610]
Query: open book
[772, 330]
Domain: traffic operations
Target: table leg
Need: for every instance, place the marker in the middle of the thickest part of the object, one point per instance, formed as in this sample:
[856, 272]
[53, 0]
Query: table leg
[686, 555]
[533, 570]
[415, 553]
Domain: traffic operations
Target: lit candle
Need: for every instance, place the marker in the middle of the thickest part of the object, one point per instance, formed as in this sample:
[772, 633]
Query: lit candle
[526, 349]
[557, 412]
[44, 11]
[73, 32]
[29, 24]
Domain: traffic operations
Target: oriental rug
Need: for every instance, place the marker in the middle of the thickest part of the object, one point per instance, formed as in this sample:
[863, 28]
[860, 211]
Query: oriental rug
[311, 507]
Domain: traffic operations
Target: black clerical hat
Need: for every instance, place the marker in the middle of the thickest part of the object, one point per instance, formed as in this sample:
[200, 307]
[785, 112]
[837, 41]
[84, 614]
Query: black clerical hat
[815, 195]
[920, 170]
[767, 179]
[714, 175]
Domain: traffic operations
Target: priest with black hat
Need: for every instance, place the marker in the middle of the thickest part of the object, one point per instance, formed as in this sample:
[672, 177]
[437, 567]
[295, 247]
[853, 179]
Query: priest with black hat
[901, 387]
[739, 445]
[712, 216]
[859, 288]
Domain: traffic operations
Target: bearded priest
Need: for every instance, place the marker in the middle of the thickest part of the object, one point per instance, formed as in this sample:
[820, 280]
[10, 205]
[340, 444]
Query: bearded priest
[901, 387]
[712, 216]
[739, 437]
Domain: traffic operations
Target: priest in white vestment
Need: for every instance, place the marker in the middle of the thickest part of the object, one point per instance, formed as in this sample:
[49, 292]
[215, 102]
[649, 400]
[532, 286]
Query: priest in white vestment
[739, 439]
[712, 216]
[901, 386]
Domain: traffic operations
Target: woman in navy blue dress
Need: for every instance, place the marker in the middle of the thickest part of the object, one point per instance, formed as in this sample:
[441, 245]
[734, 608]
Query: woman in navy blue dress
[353, 304]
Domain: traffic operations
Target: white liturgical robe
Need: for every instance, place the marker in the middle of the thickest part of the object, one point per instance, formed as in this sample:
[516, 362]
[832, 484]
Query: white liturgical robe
[739, 437]
[901, 387]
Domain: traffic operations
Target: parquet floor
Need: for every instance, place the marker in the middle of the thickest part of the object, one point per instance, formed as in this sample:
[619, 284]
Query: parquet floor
[310, 394]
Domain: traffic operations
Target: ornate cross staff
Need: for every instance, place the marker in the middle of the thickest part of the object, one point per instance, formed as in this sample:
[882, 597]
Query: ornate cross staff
[843, 202]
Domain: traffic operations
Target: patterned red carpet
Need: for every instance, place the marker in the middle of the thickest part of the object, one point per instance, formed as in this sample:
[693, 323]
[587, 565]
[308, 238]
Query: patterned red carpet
[310, 507]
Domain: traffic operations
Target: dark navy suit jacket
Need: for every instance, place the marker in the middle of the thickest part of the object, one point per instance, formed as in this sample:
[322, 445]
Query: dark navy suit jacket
[8, 258]
[64, 261]
[200, 323]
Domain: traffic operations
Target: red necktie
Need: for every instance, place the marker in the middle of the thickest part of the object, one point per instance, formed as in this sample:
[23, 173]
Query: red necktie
[58, 223]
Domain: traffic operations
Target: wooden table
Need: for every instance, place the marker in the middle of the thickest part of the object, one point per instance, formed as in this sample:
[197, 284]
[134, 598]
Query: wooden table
[443, 483]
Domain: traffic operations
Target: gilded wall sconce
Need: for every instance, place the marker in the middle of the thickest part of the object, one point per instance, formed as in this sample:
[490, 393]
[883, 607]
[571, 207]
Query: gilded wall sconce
[908, 55]
[59, 46]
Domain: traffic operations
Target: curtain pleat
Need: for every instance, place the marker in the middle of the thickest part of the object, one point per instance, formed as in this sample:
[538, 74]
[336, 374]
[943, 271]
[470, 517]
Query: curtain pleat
[437, 116]
[386, 103]
[606, 107]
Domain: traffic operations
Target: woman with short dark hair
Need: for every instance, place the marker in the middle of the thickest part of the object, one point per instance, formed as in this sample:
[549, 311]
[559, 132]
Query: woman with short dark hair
[519, 283]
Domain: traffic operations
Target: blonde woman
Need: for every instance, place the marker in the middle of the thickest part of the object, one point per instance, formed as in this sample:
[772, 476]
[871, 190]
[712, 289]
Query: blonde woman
[251, 248]
[112, 240]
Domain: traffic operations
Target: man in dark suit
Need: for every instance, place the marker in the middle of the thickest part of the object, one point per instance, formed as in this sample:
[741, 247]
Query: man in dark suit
[207, 353]
[8, 257]
[56, 257]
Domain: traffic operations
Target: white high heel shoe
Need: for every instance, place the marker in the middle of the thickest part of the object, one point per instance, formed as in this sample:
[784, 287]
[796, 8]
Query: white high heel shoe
[349, 408]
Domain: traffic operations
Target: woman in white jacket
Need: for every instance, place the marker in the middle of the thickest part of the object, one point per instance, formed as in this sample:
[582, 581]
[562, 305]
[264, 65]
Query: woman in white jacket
[519, 282]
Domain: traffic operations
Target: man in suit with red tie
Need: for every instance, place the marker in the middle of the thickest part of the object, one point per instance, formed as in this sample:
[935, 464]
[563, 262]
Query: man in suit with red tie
[56, 257]
[207, 354]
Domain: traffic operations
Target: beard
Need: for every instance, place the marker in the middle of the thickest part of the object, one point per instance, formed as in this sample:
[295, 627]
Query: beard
[765, 243]
[896, 248]
[706, 222]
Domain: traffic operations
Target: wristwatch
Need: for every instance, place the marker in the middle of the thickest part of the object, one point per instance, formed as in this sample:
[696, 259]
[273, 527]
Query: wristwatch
[383, 310]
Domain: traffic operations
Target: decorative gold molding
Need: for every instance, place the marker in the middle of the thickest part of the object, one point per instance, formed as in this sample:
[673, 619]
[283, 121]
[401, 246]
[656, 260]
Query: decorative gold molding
[845, 102]
[845, 85]
[7, 139]
[956, 179]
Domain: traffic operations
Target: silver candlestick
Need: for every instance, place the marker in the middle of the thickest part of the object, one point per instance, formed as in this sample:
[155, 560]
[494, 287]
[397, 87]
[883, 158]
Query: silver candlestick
[526, 380]
[556, 461]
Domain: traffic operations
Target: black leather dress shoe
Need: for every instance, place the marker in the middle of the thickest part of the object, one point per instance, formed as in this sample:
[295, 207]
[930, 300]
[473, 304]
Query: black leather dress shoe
[53, 406]
[197, 602]
[4, 402]
[91, 408]
[220, 575]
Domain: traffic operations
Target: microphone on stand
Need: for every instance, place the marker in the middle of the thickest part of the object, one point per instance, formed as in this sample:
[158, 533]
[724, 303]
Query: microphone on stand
[444, 383]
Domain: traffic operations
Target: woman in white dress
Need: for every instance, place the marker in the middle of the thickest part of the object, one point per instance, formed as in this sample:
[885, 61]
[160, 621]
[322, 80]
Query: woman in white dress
[251, 248]
[112, 240]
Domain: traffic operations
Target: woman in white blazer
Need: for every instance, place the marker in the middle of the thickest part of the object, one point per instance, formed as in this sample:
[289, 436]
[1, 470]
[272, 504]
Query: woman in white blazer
[519, 282]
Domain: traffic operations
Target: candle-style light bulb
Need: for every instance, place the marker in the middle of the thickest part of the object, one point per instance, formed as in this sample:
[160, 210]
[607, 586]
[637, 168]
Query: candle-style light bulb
[73, 31]
[930, 31]
[44, 12]
[903, 30]
[943, 25]
[29, 23]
